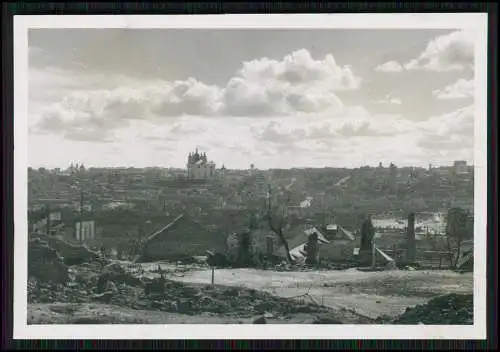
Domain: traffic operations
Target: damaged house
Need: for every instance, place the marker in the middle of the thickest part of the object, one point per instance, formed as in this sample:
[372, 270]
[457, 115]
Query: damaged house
[183, 236]
[335, 243]
[341, 246]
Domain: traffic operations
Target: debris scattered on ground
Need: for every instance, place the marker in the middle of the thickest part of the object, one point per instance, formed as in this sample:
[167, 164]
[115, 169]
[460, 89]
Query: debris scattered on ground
[325, 319]
[72, 254]
[218, 260]
[114, 272]
[451, 309]
[259, 320]
[148, 288]
[116, 286]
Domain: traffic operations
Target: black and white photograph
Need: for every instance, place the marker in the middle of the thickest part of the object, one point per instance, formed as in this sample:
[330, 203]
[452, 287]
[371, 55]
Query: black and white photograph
[228, 170]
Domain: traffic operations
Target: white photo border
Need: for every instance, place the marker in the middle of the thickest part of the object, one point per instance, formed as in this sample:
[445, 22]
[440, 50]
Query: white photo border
[472, 21]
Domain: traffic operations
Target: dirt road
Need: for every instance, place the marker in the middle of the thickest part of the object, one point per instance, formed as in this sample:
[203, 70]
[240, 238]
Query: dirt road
[371, 294]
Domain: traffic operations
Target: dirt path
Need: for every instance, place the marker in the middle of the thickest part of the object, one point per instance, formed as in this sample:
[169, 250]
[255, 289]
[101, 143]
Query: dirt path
[371, 294]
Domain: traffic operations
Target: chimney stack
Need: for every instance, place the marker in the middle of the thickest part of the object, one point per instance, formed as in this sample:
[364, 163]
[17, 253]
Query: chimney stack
[411, 249]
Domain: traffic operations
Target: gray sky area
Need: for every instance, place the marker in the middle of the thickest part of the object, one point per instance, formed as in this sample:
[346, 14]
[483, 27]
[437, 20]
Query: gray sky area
[274, 98]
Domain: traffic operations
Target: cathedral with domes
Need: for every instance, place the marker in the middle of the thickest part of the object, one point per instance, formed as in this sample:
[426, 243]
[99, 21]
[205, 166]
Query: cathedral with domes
[199, 167]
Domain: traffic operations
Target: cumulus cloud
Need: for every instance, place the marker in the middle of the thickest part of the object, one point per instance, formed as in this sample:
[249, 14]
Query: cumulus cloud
[363, 129]
[297, 83]
[458, 90]
[454, 51]
[189, 97]
[390, 66]
[330, 132]
[389, 99]
[367, 137]
[280, 134]
[460, 121]
[454, 130]
[107, 109]
[264, 87]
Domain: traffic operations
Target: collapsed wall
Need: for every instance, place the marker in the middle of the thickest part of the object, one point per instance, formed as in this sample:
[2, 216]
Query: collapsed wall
[44, 263]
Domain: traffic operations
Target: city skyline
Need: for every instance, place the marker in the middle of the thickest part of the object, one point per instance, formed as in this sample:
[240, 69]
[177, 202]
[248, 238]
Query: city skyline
[276, 98]
[248, 167]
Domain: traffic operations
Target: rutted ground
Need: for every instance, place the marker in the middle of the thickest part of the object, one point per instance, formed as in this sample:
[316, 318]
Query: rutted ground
[117, 294]
[97, 290]
[372, 294]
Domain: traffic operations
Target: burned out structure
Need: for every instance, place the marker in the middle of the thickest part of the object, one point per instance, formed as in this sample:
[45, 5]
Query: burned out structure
[366, 248]
[182, 237]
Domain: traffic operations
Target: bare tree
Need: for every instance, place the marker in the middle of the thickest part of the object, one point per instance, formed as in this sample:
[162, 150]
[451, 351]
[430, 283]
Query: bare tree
[276, 218]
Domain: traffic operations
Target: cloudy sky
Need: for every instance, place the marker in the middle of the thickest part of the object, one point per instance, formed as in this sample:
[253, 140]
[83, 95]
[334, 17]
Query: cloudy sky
[275, 98]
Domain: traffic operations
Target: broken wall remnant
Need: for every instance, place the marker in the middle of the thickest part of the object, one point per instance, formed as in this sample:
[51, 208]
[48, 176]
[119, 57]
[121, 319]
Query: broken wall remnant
[72, 254]
[311, 249]
[366, 245]
[269, 245]
[367, 234]
[44, 263]
[244, 256]
[411, 244]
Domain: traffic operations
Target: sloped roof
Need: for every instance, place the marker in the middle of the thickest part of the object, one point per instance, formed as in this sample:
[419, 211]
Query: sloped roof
[298, 251]
[465, 260]
[321, 237]
[341, 231]
[302, 238]
[346, 233]
[384, 255]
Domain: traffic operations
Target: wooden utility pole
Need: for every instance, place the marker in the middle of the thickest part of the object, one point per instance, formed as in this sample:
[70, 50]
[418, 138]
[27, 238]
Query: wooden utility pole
[268, 197]
[411, 246]
[81, 215]
[374, 253]
[47, 227]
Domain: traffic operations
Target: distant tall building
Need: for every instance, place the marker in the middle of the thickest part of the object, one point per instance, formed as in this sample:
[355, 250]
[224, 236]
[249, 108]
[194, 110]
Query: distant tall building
[199, 167]
[75, 168]
[393, 169]
[460, 167]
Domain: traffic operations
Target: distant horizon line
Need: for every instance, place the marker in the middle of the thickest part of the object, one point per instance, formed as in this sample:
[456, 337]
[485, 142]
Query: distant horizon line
[434, 166]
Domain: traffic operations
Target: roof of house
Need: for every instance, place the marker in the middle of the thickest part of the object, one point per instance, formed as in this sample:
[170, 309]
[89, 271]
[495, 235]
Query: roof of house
[384, 255]
[310, 231]
[298, 251]
[346, 233]
[341, 231]
[465, 259]
[302, 238]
